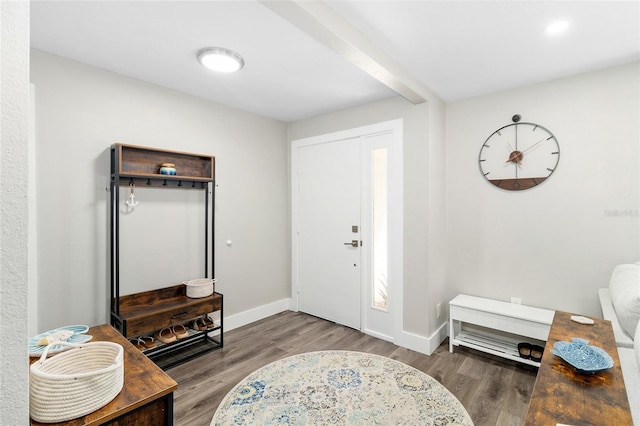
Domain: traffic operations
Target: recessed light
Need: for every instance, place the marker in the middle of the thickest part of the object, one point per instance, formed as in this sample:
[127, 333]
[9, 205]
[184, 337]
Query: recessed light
[557, 27]
[220, 59]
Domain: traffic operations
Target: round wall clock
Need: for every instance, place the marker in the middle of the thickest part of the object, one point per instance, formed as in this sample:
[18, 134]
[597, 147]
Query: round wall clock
[519, 155]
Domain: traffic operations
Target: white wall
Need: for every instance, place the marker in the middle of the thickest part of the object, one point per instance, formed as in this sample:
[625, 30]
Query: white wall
[423, 197]
[556, 244]
[80, 112]
[14, 211]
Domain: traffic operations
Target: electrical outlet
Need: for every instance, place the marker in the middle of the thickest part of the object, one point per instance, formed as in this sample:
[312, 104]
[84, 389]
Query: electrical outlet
[516, 301]
[438, 310]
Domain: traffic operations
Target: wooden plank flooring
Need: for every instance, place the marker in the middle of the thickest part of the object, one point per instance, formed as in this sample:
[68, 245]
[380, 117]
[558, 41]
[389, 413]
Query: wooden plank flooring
[494, 391]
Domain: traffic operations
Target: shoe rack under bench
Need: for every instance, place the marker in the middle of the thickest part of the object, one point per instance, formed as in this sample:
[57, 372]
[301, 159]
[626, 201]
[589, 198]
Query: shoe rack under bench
[145, 313]
[496, 327]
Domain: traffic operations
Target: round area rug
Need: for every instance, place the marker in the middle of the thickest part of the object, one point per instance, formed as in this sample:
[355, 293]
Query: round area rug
[339, 388]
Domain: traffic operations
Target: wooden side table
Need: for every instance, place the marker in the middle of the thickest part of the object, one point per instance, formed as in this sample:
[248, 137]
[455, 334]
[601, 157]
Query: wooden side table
[563, 396]
[146, 397]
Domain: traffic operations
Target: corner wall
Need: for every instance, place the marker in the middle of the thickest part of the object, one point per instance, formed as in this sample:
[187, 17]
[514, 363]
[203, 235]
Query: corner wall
[552, 246]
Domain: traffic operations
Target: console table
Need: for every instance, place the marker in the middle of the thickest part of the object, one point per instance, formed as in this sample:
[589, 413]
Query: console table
[563, 396]
[500, 326]
[146, 397]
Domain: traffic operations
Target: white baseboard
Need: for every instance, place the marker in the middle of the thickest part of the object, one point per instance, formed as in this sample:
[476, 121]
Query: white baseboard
[438, 336]
[255, 314]
[425, 345]
[378, 335]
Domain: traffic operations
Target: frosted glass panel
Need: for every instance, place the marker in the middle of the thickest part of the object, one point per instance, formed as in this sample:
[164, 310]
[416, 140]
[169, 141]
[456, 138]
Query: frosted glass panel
[380, 254]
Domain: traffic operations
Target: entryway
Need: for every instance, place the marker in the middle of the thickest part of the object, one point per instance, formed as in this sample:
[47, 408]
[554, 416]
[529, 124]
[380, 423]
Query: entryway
[347, 227]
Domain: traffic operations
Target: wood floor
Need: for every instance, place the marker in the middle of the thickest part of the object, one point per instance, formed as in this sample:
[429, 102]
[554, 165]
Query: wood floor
[494, 391]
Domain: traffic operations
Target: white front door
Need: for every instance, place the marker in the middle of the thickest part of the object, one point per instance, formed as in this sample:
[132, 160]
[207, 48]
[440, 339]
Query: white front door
[347, 186]
[328, 231]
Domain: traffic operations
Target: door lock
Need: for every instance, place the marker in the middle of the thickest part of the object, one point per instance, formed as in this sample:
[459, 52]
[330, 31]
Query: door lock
[353, 243]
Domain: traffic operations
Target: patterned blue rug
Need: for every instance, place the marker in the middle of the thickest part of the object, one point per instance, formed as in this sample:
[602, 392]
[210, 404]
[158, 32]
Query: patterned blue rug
[339, 388]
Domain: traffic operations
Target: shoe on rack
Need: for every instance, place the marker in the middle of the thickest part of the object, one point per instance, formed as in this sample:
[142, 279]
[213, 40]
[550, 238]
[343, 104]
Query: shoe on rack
[148, 341]
[180, 331]
[208, 321]
[138, 344]
[524, 350]
[198, 325]
[166, 336]
[536, 353]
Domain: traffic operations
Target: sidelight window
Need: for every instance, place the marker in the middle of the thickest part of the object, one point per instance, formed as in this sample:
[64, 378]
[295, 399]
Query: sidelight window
[380, 255]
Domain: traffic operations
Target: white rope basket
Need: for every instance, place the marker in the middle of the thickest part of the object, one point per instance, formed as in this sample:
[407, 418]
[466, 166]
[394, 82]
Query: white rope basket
[76, 382]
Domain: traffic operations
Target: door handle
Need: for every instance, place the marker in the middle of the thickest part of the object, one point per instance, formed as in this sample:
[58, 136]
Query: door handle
[353, 243]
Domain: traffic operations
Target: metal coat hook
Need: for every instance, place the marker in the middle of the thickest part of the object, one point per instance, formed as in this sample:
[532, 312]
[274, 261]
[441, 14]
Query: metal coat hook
[131, 202]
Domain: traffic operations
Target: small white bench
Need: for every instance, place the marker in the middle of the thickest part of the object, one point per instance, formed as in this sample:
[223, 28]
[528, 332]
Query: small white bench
[500, 326]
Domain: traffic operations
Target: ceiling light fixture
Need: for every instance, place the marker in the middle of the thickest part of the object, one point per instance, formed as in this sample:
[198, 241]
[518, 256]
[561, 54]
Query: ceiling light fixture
[557, 27]
[220, 59]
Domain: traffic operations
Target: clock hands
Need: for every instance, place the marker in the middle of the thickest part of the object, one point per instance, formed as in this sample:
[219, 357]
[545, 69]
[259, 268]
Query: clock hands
[535, 144]
[516, 156]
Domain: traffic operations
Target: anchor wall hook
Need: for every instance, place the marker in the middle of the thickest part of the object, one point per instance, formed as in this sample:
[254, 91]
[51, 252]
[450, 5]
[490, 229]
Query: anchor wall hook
[131, 202]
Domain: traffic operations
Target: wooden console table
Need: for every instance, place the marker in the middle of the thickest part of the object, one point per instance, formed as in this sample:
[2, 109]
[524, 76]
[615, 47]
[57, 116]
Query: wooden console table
[563, 396]
[146, 397]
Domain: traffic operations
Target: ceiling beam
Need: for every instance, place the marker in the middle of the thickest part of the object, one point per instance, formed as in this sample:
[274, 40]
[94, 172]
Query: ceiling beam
[322, 22]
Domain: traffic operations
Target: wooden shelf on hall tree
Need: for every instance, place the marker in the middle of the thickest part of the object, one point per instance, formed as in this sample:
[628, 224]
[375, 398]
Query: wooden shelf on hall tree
[138, 161]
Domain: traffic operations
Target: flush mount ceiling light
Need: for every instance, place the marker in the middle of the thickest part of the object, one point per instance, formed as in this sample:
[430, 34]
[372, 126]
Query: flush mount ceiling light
[557, 27]
[220, 59]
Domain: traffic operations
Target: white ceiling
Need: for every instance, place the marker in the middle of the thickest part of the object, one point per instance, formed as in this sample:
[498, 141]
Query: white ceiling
[310, 57]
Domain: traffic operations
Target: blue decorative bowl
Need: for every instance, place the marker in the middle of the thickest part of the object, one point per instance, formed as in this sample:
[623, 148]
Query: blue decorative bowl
[168, 169]
[78, 337]
[583, 357]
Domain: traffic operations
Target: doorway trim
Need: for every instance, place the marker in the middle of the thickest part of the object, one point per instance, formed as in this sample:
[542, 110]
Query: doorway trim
[395, 215]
